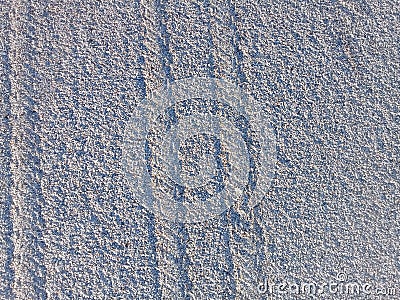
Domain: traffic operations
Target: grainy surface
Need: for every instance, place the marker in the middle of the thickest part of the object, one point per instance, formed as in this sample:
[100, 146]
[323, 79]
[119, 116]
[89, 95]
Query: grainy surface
[72, 73]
